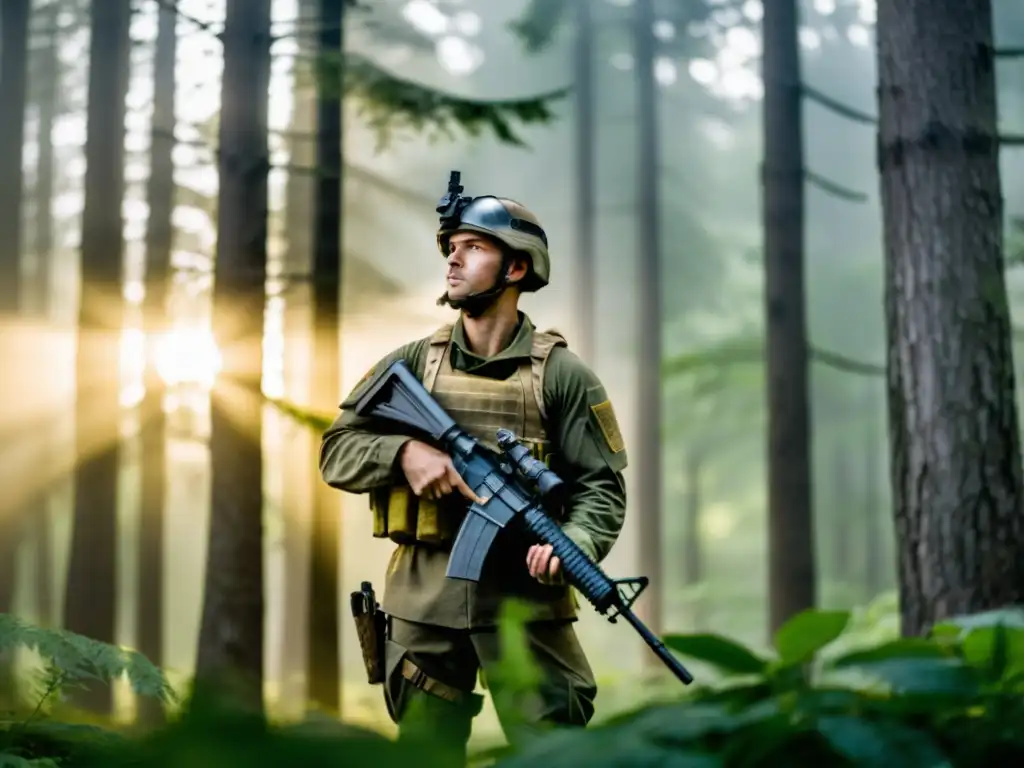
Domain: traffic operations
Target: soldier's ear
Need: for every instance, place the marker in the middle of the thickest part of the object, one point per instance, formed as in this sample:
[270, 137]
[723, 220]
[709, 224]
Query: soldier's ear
[518, 268]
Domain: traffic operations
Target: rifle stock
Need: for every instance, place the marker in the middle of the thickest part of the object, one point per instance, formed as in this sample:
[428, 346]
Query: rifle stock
[397, 395]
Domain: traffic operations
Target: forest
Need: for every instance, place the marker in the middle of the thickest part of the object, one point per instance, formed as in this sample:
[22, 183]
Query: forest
[787, 235]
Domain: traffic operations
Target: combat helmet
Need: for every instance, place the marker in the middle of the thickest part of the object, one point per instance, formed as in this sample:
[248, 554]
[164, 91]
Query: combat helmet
[505, 220]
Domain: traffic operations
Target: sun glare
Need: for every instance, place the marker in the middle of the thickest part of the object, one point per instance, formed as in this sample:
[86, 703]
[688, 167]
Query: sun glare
[188, 357]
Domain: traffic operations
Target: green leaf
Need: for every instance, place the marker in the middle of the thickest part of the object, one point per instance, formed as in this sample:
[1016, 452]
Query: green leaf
[682, 725]
[904, 648]
[806, 633]
[922, 676]
[610, 746]
[881, 745]
[1008, 617]
[997, 649]
[721, 652]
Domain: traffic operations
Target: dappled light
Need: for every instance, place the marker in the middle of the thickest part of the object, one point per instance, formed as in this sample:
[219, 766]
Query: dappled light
[187, 357]
[787, 336]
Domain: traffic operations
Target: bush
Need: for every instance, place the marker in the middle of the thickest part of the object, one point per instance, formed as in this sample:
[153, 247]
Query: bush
[952, 699]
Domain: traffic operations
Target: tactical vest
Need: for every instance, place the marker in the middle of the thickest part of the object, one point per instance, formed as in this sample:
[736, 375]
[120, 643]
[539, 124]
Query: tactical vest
[480, 406]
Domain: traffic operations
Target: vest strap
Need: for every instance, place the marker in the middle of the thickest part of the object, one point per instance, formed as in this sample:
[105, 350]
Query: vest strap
[439, 342]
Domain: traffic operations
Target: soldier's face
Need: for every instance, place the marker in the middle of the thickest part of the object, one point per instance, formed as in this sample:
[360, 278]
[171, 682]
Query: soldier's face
[473, 264]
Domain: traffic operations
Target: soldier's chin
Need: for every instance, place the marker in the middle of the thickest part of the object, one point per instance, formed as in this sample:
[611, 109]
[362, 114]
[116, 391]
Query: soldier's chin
[454, 296]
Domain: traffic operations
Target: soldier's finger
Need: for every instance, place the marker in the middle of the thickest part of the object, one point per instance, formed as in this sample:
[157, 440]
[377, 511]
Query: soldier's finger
[443, 487]
[543, 557]
[554, 565]
[533, 559]
[456, 480]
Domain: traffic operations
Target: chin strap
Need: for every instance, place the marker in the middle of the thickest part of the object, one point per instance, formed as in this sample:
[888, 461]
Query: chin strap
[476, 304]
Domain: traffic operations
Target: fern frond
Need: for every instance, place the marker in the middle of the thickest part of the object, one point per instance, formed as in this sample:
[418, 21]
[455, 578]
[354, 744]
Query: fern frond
[76, 658]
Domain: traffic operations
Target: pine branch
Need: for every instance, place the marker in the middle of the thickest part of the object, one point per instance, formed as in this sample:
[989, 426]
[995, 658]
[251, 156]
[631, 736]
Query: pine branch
[747, 351]
[837, 107]
[306, 417]
[537, 27]
[834, 189]
[844, 110]
[199, 24]
[388, 103]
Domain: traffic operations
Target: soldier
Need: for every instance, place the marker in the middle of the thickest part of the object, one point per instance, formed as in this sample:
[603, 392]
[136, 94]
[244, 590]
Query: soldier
[490, 369]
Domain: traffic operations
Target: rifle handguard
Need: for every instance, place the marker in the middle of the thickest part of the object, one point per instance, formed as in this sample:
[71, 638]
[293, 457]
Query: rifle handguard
[580, 571]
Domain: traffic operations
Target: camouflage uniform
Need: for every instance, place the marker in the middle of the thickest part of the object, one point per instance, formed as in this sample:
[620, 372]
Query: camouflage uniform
[443, 630]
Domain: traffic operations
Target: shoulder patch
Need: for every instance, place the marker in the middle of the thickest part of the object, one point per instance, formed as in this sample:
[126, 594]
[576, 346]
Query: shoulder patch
[605, 416]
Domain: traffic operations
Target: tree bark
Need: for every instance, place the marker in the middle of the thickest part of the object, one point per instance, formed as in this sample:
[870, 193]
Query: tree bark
[47, 97]
[159, 240]
[955, 448]
[583, 63]
[299, 366]
[693, 555]
[90, 603]
[14, 18]
[231, 637]
[323, 665]
[648, 494]
[792, 577]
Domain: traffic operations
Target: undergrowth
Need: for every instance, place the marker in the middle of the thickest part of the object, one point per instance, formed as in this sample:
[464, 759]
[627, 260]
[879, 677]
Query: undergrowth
[838, 688]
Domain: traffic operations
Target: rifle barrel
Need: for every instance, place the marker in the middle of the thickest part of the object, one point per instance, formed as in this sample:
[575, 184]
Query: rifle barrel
[659, 648]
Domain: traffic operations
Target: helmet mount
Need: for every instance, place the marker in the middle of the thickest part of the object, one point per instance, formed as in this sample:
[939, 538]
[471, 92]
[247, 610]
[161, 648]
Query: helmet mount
[512, 226]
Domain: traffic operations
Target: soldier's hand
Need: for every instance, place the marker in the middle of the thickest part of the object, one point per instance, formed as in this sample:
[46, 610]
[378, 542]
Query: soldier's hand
[430, 472]
[544, 567]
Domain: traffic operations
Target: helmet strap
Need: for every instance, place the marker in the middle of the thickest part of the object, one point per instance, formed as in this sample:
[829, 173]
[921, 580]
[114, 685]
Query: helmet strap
[477, 303]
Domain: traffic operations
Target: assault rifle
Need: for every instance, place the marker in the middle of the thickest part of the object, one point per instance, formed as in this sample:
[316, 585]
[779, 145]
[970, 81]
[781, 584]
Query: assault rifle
[505, 481]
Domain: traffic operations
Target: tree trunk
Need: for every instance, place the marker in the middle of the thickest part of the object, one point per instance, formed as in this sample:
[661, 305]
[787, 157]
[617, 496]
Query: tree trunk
[14, 18]
[47, 96]
[647, 496]
[231, 641]
[585, 186]
[299, 485]
[159, 240]
[693, 556]
[792, 574]
[956, 461]
[90, 602]
[323, 664]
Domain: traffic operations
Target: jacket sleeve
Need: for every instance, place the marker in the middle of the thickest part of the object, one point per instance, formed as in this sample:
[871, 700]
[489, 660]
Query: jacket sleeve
[357, 454]
[590, 450]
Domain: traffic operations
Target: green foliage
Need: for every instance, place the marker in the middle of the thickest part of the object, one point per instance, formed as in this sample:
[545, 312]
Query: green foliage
[541, 20]
[952, 699]
[316, 421]
[72, 660]
[69, 661]
[388, 103]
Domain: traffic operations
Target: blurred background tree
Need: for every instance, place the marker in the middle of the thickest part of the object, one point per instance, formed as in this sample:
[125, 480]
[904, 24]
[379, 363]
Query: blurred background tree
[645, 166]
